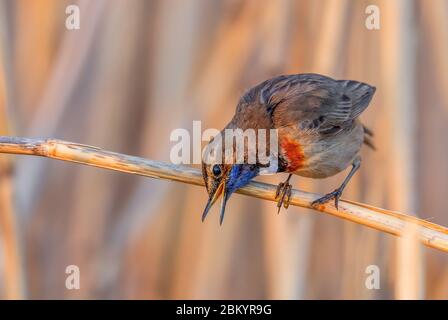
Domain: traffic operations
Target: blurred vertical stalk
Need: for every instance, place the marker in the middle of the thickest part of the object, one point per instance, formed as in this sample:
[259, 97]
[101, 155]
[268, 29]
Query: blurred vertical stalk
[435, 26]
[13, 286]
[409, 265]
[65, 74]
[13, 280]
[399, 64]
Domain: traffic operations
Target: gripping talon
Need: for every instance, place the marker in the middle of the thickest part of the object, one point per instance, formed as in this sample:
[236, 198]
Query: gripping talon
[282, 199]
[279, 206]
[283, 192]
[336, 194]
[288, 196]
[279, 188]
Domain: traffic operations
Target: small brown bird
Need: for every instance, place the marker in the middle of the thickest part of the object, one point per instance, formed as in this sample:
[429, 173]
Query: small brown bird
[318, 132]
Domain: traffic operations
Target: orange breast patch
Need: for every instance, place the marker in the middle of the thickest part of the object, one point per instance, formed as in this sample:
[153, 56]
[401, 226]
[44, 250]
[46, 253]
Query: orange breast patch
[293, 152]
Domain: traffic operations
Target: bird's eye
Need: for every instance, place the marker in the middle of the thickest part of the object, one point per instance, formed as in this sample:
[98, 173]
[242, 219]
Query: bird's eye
[216, 170]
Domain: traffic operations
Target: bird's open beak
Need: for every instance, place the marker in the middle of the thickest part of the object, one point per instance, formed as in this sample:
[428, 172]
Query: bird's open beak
[221, 190]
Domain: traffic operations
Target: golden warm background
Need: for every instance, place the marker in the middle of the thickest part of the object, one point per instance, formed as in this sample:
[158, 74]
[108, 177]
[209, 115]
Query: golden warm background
[136, 70]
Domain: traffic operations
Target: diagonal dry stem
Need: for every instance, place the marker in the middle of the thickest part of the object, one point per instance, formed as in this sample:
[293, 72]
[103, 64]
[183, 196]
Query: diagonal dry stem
[392, 222]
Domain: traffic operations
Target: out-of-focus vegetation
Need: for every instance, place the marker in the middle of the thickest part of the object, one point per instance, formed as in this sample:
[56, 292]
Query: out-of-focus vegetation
[136, 70]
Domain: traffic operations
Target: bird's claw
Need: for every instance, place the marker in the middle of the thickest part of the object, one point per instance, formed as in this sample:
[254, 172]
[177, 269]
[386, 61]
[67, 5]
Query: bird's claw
[336, 195]
[283, 192]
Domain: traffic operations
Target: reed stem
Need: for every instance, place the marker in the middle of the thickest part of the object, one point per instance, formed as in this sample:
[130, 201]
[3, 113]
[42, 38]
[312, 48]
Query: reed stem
[392, 222]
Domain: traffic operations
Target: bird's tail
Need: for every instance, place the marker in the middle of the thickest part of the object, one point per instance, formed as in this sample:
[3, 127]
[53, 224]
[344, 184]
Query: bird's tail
[368, 135]
[360, 94]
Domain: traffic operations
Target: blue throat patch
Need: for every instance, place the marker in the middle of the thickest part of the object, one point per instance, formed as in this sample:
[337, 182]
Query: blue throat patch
[239, 176]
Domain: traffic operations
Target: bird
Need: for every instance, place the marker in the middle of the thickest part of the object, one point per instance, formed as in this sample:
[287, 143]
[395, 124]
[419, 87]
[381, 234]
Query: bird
[319, 134]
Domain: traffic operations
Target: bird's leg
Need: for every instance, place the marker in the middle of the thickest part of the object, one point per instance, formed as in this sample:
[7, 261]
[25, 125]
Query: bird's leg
[283, 193]
[336, 194]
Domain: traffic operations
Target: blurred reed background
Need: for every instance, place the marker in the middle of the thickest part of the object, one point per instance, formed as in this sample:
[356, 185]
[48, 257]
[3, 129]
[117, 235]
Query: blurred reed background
[138, 69]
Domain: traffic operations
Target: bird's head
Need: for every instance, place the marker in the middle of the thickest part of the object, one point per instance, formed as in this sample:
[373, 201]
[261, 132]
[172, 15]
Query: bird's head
[222, 179]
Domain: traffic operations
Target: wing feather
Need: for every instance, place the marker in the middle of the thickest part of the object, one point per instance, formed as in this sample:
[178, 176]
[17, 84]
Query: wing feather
[314, 101]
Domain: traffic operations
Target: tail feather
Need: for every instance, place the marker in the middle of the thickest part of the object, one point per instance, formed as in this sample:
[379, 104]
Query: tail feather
[367, 131]
[360, 94]
[368, 142]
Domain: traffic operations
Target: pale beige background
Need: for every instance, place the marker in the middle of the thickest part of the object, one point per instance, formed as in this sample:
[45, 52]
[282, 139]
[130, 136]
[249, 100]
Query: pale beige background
[136, 70]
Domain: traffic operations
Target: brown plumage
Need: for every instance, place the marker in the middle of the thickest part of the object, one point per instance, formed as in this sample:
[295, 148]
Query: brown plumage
[319, 134]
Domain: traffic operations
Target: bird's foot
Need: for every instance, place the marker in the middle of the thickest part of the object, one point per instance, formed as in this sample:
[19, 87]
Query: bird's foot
[336, 195]
[283, 194]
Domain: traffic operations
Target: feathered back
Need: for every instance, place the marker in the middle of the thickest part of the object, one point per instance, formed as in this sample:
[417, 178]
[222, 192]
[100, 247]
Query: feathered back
[312, 101]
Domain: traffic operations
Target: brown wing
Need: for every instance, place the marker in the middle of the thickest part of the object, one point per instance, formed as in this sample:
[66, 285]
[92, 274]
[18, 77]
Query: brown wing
[312, 101]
